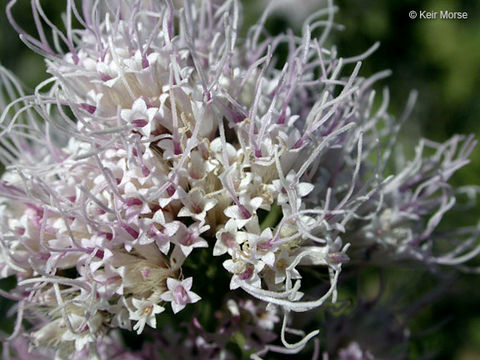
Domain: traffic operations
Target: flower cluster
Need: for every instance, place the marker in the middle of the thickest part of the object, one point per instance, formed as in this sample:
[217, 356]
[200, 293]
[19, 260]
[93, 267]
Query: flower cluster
[160, 135]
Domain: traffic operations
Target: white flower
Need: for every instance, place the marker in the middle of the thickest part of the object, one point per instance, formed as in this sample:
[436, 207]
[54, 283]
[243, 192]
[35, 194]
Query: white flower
[265, 316]
[140, 117]
[228, 239]
[196, 205]
[243, 271]
[179, 293]
[282, 261]
[85, 335]
[296, 189]
[121, 317]
[261, 247]
[144, 313]
[242, 213]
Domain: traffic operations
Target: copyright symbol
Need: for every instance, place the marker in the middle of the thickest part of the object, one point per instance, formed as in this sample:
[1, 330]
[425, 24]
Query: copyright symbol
[412, 14]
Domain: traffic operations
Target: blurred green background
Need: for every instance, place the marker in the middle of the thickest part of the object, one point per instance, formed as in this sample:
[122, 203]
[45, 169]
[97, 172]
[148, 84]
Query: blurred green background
[439, 58]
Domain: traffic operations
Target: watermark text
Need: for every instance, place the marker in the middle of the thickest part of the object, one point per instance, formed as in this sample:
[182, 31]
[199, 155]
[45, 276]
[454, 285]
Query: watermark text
[438, 15]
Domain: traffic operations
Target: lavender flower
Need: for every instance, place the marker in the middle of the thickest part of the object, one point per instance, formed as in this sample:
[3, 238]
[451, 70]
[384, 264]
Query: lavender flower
[161, 135]
[179, 293]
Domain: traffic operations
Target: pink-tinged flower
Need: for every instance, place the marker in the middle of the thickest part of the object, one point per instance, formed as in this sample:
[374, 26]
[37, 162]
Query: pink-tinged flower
[179, 293]
[144, 312]
[261, 247]
[242, 213]
[188, 238]
[85, 335]
[228, 239]
[291, 190]
[140, 117]
[110, 280]
[243, 271]
[196, 205]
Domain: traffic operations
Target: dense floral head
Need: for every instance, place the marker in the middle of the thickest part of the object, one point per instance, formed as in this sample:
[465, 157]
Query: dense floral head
[161, 135]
